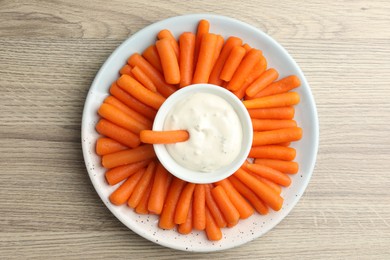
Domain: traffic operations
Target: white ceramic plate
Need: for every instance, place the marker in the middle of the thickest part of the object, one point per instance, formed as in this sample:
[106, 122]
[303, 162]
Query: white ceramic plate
[306, 117]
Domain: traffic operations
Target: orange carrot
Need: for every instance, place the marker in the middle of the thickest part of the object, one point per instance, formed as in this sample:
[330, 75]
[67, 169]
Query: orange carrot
[261, 82]
[159, 190]
[122, 194]
[129, 111]
[273, 152]
[275, 187]
[203, 28]
[120, 118]
[186, 227]
[142, 186]
[164, 137]
[169, 61]
[281, 86]
[168, 213]
[129, 156]
[153, 74]
[249, 195]
[131, 102]
[270, 174]
[272, 124]
[231, 42]
[227, 208]
[205, 58]
[151, 55]
[142, 207]
[166, 34]
[199, 207]
[280, 165]
[265, 193]
[232, 63]
[277, 136]
[184, 203]
[186, 58]
[120, 173]
[134, 88]
[119, 134]
[243, 207]
[286, 144]
[106, 145]
[140, 76]
[126, 69]
[244, 69]
[272, 113]
[278, 100]
[247, 47]
[218, 48]
[213, 232]
[213, 207]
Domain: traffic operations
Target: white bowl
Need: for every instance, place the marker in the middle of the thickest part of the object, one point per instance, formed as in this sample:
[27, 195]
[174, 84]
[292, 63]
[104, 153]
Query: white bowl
[204, 177]
[248, 229]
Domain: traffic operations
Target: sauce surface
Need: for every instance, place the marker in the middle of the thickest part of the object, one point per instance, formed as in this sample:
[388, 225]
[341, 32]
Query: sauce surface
[215, 132]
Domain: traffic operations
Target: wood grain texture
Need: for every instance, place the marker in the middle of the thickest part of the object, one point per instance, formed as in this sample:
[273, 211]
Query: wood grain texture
[50, 52]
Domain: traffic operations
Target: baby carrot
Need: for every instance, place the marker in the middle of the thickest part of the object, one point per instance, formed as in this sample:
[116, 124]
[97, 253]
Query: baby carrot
[186, 227]
[120, 118]
[278, 100]
[120, 173]
[218, 48]
[261, 82]
[119, 134]
[205, 59]
[129, 156]
[186, 58]
[247, 47]
[153, 74]
[163, 137]
[244, 69]
[272, 124]
[134, 88]
[277, 136]
[166, 34]
[213, 232]
[199, 207]
[202, 29]
[139, 75]
[275, 187]
[151, 55]
[270, 174]
[286, 144]
[169, 61]
[272, 113]
[132, 102]
[265, 193]
[231, 42]
[106, 145]
[161, 183]
[184, 203]
[213, 207]
[168, 213]
[249, 195]
[243, 207]
[129, 111]
[276, 152]
[280, 165]
[122, 194]
[142, 207]
[281, 86]
[126, 69]
[232, 63]
[227, 208]
[142, 186]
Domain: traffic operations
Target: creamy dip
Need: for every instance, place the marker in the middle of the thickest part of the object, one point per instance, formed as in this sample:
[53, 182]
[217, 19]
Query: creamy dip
[215, 132]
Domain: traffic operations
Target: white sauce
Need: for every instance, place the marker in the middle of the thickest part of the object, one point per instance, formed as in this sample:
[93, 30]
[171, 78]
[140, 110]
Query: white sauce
[215, 132]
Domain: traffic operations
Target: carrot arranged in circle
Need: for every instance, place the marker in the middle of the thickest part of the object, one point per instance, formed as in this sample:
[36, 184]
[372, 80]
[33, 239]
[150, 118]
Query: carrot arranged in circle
[140, 76]
[278, 100]
[186, 227]
[161, 183]
[280, 165]
[186, 58]
[261, 82]
[205, 58]
[272, 113]
[142, 186]
[227, 208]
[276, 152]
[120, 173]
[281, 86]
[184, 203]
[123, 193]
[126, 69]
[169, 61]
[270, 174]
[202, 29]
[275, 187]
[199, 208]
[105, 145]
[232, 63]
[217, 51]
[213, 232]
[117, 133]
[247, 47]
[277, 136]
[164, 137]
[142, 207]
[151, 55]
[272, 124]
[166, 34]
[129, 156]
[213, 207]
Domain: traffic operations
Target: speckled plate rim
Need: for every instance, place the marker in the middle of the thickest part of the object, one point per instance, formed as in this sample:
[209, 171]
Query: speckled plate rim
[248, 229]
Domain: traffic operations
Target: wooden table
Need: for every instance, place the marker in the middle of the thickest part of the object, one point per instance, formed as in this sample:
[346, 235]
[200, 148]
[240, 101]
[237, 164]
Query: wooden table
[50, 52]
